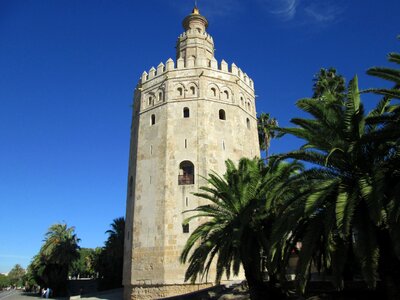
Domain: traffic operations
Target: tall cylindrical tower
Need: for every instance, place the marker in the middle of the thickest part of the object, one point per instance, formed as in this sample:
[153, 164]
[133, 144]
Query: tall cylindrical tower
[189, 116]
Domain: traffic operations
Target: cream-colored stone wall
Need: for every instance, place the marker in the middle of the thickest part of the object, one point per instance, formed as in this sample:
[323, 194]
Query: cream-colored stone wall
[162, 138]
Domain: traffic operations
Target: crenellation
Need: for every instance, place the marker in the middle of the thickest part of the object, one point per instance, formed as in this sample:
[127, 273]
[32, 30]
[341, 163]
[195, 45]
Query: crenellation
[190, 62]
[152, 73]
[169, 65]
[234, 69]
[224, 66]
[160, 69]
[144, 76]
[180, 63]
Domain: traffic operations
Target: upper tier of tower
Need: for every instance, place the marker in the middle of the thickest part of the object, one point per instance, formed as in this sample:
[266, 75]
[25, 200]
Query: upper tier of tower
[195, 41]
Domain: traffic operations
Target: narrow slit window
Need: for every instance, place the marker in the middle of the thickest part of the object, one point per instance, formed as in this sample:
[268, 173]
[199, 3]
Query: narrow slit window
[223, 145]
[248, 123]
[187, 201]
[193, 90]
[226, 95]
[185, 143]
[151, 149]
[153, 119]
[160, 96]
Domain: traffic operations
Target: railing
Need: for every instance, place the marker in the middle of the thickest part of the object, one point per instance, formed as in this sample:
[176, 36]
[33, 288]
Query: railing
[185, 179]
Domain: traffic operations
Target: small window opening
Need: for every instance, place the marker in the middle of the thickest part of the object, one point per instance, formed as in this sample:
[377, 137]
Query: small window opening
[248, 106]
[213, 92]
[248, 123]
[226, 95]
[186, 173]
[242, 101]
[186, 112]
[151, 149]
[150, 100]
[185, 228]
[222, 115]
[153, 119]
[223, 144]
[185, 143]
[187, 201]
[160, 96]
[180, 91]
[193, 90]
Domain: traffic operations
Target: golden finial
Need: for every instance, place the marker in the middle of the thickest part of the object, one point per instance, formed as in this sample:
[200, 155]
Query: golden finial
[195, 9]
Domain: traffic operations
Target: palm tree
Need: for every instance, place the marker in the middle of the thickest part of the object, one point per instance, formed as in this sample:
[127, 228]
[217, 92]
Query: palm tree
[236, 231]
[59, 251]
[109, 263]
[266, 130]
[328, 85]
[343, 213]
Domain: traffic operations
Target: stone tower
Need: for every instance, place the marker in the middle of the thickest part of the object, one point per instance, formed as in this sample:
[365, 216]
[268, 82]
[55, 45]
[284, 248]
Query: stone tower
[189, 116]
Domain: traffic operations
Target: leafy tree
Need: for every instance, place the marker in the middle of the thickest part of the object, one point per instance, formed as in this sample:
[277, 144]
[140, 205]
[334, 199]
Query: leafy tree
[109, 262]
[242, 204]
[15, 275]
[4, 281]
[84, 266]
[266, 127]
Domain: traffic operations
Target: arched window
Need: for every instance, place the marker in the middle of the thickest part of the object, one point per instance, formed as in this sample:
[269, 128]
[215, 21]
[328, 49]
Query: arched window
[248, 106]
[186, 112]
[150, 100]
[226, 95]
[153, 119]
[222, 115]
[180, 91]
[213, 92]
[160, 96]
[186, 173]
[193, 90]
[242, 101]
[248, 123]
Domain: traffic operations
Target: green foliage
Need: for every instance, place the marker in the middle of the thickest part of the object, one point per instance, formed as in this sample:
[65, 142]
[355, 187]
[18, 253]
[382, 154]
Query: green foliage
[242, 204]
[84, 266]
[108, 262]
[266, 127]
[4, 281]
[16, 275]
[50, 267]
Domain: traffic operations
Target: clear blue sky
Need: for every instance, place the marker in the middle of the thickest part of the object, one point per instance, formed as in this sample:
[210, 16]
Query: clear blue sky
[68, 70]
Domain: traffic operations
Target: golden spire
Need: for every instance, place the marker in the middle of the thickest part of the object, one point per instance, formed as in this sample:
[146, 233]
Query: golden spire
[195, 10]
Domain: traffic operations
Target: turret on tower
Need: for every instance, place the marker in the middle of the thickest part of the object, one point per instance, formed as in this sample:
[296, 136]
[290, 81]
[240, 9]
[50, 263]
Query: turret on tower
[195, 41]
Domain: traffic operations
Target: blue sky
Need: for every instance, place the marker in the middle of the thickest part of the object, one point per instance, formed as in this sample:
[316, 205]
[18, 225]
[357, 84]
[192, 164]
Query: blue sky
[68, 70]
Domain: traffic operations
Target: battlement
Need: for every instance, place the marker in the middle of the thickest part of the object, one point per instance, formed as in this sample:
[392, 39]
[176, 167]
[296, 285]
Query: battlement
[192, 62]
[195, 33]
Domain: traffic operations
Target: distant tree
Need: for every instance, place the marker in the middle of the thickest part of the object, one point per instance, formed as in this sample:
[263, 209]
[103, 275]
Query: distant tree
[328, 85]
[4, 281]
[266, 127]
[15, 275]
[109, 262]
[84, 266]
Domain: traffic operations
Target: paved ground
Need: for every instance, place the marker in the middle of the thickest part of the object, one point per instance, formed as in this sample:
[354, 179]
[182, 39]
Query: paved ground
[19, 295]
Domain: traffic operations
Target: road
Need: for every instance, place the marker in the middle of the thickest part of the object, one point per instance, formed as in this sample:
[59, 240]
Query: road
[16, 295]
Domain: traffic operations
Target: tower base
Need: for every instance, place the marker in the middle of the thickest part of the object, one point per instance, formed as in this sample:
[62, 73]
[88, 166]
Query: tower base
[148, 292]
